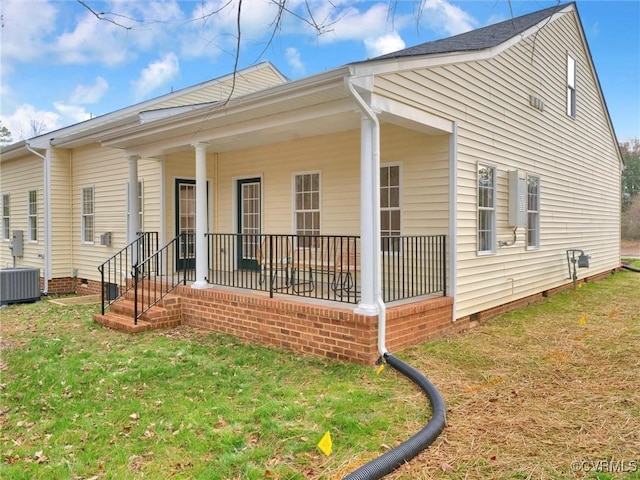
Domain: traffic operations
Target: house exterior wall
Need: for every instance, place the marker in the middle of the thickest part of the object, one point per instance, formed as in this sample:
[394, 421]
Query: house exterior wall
[107, 171]
[17, 178]
[575, 159]
[61, 214]
[424, 166]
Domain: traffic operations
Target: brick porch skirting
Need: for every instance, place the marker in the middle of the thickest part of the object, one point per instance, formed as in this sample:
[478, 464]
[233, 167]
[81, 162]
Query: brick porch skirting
[334, 332]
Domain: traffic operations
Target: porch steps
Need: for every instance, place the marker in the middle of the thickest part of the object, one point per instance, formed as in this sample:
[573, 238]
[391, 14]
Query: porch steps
[167, 313]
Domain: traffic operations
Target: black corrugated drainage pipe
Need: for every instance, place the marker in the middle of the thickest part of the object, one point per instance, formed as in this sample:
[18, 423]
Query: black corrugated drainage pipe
[629, 267]
[404, 452]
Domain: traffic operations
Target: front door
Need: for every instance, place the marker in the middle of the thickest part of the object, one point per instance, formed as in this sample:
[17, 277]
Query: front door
[186, 223]
[249, 222]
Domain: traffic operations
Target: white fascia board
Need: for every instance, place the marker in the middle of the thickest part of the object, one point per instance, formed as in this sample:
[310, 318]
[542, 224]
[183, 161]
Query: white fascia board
[396, 65]
[264, 98]
[409, 116]
[15, 150]
[311, 112]
[90, 135]
[149, 116]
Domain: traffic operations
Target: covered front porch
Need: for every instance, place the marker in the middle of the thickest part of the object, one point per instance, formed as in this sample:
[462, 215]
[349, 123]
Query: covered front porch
[322, 192]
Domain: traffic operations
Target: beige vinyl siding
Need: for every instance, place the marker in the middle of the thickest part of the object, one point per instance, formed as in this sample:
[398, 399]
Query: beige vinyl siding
[149, 173]
[574, 158]
[17, 178]
[107, 171]
[336, 157]
[245, 82]
[61, 217]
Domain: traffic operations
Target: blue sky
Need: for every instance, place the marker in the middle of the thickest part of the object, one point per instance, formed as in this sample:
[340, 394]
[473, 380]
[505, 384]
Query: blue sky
[61, 65]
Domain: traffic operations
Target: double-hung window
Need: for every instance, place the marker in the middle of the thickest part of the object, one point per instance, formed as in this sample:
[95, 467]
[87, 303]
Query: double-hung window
[87, 215]
[307, 206]
[571, 86]
[486, 208]
[33, 215]
[390, 213]
[533, 211]
[6, 213]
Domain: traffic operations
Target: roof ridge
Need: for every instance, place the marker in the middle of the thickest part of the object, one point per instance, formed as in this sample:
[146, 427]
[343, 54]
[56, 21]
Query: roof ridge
[479, 38]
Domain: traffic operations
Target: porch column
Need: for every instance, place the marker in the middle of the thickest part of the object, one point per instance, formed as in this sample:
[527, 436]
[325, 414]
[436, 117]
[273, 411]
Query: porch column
[368, 255]
[201, 215]
[132, 207]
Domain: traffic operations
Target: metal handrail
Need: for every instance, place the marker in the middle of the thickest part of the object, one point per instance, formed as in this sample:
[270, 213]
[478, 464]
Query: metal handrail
[115, 271]
[326, 267]
[161, 272]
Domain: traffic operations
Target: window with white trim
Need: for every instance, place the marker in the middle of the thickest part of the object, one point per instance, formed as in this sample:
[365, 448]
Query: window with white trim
[390, 212]
[33, 215]
[87, 215]
[6, 217]
[533, 211]
[486, 208]
[571, 86]
[306, 201]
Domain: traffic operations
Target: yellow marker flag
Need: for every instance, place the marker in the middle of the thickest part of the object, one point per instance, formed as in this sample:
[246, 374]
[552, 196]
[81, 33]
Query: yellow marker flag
[380, 369]
[325, 444]
[583, 320]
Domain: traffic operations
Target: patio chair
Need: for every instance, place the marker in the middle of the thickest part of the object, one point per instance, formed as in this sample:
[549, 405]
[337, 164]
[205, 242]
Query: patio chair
[275, 261]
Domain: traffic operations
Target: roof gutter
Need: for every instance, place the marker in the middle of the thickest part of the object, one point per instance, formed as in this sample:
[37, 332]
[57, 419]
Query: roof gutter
[375, 221]
[46, 158]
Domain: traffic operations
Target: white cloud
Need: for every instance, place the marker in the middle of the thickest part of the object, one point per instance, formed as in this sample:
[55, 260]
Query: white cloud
[440, 15]
[72, 113]
[156, 75]
[294, 61]
[25, 119]
[391, 42]
[93, 41]
[25, 29]
[351, 24]
[90, 93]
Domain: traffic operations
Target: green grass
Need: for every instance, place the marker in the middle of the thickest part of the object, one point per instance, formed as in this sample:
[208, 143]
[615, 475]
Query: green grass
[79, 400]
[527, 393]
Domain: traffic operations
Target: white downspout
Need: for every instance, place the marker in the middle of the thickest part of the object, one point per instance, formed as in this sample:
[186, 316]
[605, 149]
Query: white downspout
[375, 220]
[47, 215]
[453, 217]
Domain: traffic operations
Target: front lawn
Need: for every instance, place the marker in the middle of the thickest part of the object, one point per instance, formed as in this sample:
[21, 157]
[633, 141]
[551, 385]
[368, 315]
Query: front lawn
[531, 394]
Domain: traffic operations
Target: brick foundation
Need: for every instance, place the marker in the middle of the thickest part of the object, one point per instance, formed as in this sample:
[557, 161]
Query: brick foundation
[61, 285]
[324, 330]
[313, 329]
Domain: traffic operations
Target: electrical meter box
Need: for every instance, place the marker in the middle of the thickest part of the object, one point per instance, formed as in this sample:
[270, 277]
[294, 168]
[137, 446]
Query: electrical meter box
[17, 244]
[517, 198]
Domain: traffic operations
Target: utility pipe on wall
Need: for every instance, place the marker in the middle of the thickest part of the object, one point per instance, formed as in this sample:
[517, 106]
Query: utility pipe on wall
[371, 143]
[46, 159]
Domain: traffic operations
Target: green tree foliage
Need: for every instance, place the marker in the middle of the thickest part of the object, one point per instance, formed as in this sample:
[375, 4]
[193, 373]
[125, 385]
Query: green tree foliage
[631, 174]
[5, 135]
[631, 190]
[631, 220]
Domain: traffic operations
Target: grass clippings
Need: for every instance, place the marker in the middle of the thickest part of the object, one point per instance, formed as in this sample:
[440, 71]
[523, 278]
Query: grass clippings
[529, 394]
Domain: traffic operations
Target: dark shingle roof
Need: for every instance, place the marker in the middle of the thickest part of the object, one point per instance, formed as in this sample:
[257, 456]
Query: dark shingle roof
[479, 39]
